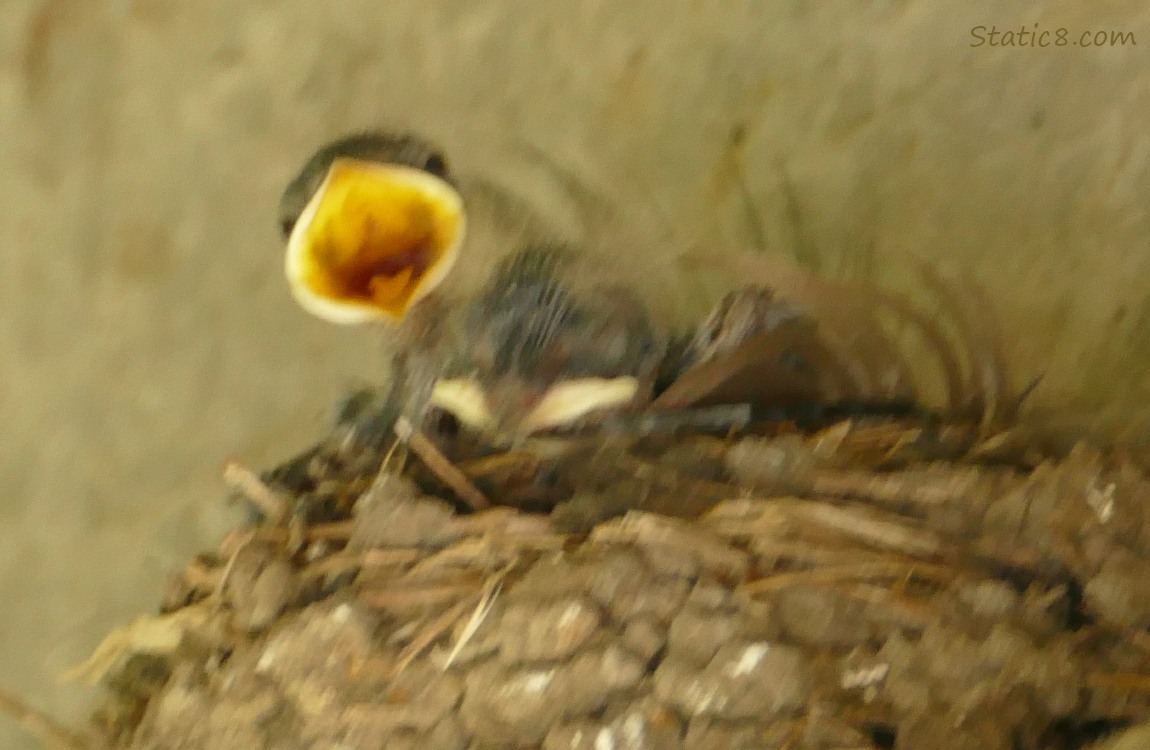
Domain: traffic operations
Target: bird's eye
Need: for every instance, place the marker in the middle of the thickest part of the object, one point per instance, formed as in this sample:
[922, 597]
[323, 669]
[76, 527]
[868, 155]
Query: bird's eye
[436, 165]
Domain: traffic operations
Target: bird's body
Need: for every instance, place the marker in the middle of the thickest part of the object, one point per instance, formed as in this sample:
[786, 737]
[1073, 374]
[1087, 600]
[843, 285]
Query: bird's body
[533, 352]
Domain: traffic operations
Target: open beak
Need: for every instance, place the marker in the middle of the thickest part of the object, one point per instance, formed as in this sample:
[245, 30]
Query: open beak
[373, 240]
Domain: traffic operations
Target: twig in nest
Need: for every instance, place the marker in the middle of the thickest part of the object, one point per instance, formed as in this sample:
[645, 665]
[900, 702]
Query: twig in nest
[414, 596]
[890, 489]
[767, 520]
[337, 531]
[500, 521]
[851, 573]
[462, 554]
[43, 726]
[271, 504]
[447, 472]
[225, 576]
[348, 562]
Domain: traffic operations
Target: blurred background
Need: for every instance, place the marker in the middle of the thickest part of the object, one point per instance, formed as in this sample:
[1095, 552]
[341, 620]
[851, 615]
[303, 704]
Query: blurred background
[146, 333]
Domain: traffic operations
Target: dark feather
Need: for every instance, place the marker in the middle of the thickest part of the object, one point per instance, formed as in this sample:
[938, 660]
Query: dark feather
[786, 365]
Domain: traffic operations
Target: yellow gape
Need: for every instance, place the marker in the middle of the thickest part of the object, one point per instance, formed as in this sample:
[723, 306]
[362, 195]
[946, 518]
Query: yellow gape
[373, 240]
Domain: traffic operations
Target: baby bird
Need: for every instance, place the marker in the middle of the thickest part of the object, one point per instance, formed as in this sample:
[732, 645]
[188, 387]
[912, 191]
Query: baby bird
[554, 338]
[374, 224]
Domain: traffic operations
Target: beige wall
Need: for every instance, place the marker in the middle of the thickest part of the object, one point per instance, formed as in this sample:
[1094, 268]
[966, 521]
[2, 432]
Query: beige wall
[145, 332]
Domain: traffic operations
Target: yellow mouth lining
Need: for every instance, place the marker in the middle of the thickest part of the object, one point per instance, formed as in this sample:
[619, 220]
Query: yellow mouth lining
[373, 240]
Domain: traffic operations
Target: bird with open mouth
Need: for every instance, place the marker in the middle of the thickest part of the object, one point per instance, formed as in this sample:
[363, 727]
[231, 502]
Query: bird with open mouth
[373, 225]
[555, 338]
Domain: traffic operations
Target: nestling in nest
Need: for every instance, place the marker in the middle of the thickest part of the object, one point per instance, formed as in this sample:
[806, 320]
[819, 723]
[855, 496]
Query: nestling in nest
[559, 339]
[751, 537]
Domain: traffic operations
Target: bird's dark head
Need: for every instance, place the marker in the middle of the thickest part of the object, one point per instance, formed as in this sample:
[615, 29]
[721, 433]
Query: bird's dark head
[531, 354]
[373, 224]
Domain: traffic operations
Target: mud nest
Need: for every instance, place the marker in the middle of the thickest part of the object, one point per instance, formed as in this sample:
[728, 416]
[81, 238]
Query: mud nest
[783, 591]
